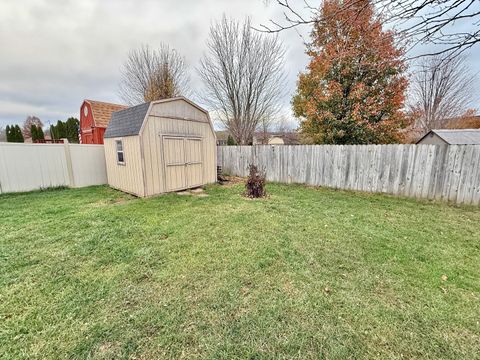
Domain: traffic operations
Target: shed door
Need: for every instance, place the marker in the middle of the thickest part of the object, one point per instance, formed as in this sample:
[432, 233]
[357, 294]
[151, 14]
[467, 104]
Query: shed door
[183, 162]
[174, 153]
[193, 159]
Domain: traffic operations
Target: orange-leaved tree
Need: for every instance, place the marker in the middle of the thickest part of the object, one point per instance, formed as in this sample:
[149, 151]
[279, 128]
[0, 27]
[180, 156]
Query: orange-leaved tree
[353, 91]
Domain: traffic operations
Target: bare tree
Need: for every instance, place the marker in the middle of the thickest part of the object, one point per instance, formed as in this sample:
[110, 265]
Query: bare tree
[441, 90]
[3, 135]
[149, 75]
[418, 22]
[243, 71]
[27, 125]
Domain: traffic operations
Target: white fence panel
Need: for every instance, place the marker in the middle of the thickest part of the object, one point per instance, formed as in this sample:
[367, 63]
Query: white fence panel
[27, 167]
[88, 163]
[450, 173]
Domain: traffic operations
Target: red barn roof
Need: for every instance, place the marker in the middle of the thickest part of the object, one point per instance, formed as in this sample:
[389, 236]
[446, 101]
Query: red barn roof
[102, 111]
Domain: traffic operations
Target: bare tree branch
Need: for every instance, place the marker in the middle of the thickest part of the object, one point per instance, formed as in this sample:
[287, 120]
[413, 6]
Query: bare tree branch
[441, 90]
[243, 71]
[149, 75]
[419, 22]
[27, 125]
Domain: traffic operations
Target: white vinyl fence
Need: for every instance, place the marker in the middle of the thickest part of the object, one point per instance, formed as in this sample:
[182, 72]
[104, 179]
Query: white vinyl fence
[450, 173]
[26, 167]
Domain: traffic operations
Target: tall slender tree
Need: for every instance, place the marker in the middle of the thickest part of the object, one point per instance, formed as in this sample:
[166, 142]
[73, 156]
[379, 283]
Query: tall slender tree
[33, 132]
[353, 90]
[72, 129]
[243, 71]
[40, 134]
[8, 133]
[16, 134]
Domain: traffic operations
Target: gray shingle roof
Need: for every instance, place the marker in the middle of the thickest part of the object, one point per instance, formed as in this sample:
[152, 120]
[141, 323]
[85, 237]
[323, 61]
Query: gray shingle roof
[127, 122]
[460, 136]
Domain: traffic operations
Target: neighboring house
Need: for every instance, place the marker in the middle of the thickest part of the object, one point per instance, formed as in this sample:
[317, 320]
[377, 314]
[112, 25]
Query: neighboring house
[451, 137]
[161, 146]
[222, 137]
[94, 119]
[272, 138]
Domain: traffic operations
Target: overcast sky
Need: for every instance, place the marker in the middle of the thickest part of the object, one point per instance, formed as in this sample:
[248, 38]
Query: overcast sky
[55, 53]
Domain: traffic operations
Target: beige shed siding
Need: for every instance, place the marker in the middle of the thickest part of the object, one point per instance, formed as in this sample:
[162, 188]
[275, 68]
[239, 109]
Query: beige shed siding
[276, 141]
[126, 177]
[154, 130]
[178, 109]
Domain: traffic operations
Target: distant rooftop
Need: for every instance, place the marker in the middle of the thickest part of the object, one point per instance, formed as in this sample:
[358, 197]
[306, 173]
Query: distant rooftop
[459, 136]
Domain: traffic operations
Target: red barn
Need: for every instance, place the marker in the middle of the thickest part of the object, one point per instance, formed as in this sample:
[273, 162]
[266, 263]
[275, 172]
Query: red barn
[94, 119]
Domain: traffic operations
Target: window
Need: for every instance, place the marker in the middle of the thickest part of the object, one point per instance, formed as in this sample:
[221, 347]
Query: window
[120, 156]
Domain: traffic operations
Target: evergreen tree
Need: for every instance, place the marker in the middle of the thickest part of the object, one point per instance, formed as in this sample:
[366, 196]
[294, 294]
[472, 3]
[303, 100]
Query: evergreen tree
[68, 130]
[231, 140]
[34, 132]
[60, 130]
[20, 134]
[8, 133]
[72, 129]
[40, 134]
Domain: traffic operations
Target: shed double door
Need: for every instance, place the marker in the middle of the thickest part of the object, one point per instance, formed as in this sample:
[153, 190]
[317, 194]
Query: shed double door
[183, 162]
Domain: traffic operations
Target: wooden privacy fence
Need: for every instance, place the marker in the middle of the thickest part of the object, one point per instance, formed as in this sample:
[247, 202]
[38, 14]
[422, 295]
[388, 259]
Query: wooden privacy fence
[441, 172]
[26, 167]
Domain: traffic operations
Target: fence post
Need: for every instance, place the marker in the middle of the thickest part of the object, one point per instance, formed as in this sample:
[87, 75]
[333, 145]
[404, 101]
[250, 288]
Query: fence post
[68, 157]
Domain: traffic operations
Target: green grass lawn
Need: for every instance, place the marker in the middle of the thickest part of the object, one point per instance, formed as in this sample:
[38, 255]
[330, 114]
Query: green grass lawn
[306, 274]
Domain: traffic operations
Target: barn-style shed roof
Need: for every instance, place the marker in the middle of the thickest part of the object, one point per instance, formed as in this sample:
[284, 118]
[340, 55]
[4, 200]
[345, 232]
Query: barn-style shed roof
[129, 122]
[102, 111]
[457, 136]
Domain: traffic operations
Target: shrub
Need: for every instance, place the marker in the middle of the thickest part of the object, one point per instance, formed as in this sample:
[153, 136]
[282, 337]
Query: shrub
[255, 186]
[231, 140]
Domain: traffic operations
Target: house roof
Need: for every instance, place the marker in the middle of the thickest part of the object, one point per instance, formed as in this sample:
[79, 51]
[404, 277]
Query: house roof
[102, 111]
[289, 138]
[222, 135]
[127, 122]
[457, 136]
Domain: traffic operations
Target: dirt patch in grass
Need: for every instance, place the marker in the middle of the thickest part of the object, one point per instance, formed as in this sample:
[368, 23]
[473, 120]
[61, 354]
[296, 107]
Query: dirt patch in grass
[108, 350]
[233, 181]
[113, 201]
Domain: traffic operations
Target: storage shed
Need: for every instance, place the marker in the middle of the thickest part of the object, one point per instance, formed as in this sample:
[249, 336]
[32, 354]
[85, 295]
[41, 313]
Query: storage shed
[161, 146]
[451, 137]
